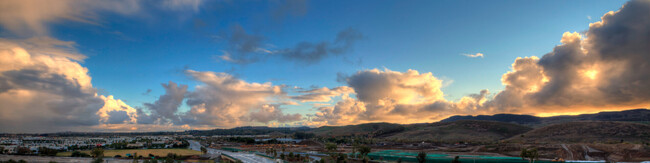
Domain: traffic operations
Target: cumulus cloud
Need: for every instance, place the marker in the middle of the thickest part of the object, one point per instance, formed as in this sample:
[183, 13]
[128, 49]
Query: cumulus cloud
[270, 113]
[225, 101]
[604, 69]
[247, 48]
[409, 87]
[383, 95]
[115, 111]
[44, 88]
[474, 55]
[165, 108]
[221, 100]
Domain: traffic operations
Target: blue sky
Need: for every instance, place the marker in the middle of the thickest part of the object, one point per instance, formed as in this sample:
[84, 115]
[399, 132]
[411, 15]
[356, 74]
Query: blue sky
[131, 54]
[367, 49]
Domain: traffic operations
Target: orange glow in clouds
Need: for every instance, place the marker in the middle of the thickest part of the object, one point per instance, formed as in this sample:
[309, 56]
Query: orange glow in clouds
[591, 74]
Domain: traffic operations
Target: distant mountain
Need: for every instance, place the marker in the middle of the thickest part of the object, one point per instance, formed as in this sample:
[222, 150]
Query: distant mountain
[248, 130]
[627, 115]
[587, 132]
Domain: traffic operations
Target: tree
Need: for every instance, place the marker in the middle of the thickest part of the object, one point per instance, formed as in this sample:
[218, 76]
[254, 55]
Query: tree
[341, 158]
[169, 160]
[43, 151]
[354, 150]
[530, 154]
[204, 150]
[23, 151]
[97, 152]
[364, 150]
[455, 160]
[330, 147]
[422, 157]
[135, 157]
[79, 154]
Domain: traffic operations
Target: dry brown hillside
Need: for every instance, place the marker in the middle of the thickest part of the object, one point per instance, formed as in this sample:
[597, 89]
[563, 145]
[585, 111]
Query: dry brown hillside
[588, 132]
[472, 131]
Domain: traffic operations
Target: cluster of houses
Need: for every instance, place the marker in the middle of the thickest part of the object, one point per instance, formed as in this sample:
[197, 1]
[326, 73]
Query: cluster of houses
[11, 145]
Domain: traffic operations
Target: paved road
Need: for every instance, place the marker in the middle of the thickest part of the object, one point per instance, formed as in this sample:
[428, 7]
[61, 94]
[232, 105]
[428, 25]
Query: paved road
[315, 156]
[244, 157]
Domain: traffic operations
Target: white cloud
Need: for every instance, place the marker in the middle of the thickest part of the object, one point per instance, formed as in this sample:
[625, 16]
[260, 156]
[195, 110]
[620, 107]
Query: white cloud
[604, 69]
[474, 55]
[43, 88]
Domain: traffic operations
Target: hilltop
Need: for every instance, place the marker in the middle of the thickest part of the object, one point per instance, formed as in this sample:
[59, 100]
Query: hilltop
[635, 115]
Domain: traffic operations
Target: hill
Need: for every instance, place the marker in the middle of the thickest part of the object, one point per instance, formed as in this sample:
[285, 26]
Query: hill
[636, 115]
[366, 129]
[449, 132]
[459, 131]
[512, 118]
[587, 132]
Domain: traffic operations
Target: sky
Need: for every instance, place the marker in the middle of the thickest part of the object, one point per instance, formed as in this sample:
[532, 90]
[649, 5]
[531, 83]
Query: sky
[123, 66]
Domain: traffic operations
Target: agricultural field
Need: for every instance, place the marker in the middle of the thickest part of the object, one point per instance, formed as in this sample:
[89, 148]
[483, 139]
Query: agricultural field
[142, 152]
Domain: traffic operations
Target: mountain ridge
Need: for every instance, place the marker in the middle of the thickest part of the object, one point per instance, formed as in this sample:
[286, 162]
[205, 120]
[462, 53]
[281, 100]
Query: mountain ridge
[632, 115]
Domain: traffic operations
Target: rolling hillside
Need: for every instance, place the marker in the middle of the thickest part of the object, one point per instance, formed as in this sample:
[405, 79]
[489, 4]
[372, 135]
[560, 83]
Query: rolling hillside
[366, 129]
[587, 132]
[459, 131]
[450, 132]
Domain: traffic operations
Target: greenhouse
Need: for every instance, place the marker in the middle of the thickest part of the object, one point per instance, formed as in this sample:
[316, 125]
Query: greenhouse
[394, 155]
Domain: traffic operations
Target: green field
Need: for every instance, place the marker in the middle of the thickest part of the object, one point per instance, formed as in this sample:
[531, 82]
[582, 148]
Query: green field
[141, 152]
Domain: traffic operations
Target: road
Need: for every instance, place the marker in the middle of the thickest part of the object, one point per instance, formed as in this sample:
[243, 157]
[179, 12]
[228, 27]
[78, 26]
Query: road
[314, 156]
[244, 157]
